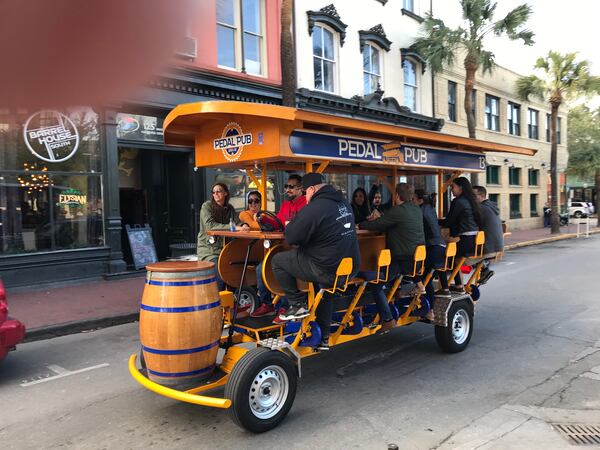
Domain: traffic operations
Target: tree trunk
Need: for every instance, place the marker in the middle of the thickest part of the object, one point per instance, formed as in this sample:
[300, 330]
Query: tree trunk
[555, 205]
[471, 72]
[598, 195]
[288, 57]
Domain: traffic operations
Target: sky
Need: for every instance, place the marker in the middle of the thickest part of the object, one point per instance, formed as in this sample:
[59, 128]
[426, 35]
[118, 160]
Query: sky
[558, 25]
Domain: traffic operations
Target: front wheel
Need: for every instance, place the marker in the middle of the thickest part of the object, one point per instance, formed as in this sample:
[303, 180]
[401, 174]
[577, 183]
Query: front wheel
[456, 336]
[262, 388]
[578, 214]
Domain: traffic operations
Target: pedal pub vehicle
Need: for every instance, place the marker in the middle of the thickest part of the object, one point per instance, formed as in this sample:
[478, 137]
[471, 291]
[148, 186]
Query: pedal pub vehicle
[192, 341]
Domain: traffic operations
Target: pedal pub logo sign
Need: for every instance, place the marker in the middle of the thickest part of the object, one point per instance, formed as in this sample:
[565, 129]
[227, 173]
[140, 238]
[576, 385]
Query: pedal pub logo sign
[232, 141]
[51, 136]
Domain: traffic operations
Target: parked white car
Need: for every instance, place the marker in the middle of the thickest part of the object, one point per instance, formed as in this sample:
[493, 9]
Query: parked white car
[591, 208]
[579, 209]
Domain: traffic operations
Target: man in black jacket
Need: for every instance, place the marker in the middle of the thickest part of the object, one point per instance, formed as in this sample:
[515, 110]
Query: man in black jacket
[324, 231]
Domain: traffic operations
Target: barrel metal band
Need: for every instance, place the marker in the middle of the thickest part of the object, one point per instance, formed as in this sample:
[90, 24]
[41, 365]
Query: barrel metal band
[180, 275]
[183, 351]
[182, 374]
[180, 309]
[181, 283]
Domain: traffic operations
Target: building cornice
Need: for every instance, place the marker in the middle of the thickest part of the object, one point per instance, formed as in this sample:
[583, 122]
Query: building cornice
[371, 107]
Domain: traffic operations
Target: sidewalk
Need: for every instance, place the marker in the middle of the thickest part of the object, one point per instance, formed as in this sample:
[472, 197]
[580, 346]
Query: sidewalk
[64, 310]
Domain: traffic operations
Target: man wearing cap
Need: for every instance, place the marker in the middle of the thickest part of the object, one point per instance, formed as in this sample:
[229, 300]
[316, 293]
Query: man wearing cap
[324, 231]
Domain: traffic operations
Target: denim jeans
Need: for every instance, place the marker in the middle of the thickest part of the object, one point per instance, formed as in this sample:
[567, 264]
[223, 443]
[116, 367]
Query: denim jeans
[264, 295]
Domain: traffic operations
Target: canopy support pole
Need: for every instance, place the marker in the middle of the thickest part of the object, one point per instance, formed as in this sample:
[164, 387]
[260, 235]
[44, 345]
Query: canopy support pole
[322, 166]
[309, 165]
[263, 190]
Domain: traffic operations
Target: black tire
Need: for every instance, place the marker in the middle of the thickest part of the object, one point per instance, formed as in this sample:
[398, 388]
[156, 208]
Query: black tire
[273, 365]
[578, 214]
[248, 294]
[451, 340]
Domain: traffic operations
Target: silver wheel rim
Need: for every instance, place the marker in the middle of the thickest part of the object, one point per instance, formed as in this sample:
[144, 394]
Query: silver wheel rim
[246, 299]
[268, 392]
[461, 325]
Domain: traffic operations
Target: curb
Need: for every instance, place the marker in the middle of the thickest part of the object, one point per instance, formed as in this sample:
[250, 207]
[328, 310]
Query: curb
[560, 237]
[63, 329]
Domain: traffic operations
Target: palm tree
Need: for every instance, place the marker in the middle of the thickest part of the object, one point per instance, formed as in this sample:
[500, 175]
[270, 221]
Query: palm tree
[564, 78]
[288, 57]
[439, 44]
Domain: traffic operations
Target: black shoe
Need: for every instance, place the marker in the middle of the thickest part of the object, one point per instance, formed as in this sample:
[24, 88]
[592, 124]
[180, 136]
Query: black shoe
[295, 312]
[485, 276]
[457, 289]
[443, 293]
[324, 345]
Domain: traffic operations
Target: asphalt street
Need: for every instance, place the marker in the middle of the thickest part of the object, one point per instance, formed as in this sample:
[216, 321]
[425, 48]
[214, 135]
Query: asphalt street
[536, 332]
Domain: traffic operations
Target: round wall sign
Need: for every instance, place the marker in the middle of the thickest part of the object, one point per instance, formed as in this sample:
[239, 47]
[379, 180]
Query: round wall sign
[51, 136]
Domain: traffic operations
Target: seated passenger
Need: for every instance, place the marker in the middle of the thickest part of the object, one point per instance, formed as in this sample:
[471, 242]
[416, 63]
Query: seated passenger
[215, 214]
[324, 232]
[375, 200]
[464, 221]
[360, 205]
[289, 208]
[436, 248]
[403, 227]
[248, 216]
[491, 224]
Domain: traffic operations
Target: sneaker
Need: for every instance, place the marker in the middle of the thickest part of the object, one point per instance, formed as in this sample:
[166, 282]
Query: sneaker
[277, 320]
[324, 345]
[295, 312]
[443, 293]
[457, 289]
[263, 310]
[485, 276]
[387, 326]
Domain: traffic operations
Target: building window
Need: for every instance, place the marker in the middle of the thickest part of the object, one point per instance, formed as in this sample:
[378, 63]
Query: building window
[474, 102]
[514, 176]
[452, 101]
[492, 113]
[513, 114]
[410, 84]
[515, 206]
[409, 5]
[495, 198]
[50, 183]
[532, 124]
[371, 69]
[533, 205]
[492, 174]
[324, 59]
[558, 130]
[240, 35]
[534, 177]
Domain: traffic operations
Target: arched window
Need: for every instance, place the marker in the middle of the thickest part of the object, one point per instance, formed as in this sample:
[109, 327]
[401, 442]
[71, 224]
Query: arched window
[372, 69]
[411, 86]
[324, 58]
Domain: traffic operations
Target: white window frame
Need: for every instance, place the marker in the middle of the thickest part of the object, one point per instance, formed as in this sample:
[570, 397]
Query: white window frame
[368, 46]
[238, 37]
[415, 64]
[492, 121]
[335, 35]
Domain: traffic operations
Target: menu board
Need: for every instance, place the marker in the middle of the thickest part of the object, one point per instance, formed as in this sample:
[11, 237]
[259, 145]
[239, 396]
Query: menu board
[142, 245]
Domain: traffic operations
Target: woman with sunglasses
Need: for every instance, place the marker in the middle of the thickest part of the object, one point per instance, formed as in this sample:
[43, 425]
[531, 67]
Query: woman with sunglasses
[215, 214]
[249, 217]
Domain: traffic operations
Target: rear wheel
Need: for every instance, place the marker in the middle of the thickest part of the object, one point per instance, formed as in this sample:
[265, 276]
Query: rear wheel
[578, 214]
[262, 388]
[456, 336]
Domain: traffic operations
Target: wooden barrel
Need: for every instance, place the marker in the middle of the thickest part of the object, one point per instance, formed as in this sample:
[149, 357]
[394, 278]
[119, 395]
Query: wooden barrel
[180, 321]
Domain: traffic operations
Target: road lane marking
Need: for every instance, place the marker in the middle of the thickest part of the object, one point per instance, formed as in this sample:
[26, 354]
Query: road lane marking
[61, 373]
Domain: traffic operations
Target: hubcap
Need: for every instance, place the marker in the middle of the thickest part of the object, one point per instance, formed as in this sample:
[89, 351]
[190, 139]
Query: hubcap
[461, 325]
[268, 392]
[245, 300]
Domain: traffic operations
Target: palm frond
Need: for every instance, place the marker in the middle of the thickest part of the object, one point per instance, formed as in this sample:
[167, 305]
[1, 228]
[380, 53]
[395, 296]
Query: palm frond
[511, 24]
[438, 43]
[530, 86]
[486, 61]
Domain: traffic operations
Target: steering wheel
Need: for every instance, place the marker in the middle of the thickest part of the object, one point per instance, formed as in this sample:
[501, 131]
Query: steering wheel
[268, 226]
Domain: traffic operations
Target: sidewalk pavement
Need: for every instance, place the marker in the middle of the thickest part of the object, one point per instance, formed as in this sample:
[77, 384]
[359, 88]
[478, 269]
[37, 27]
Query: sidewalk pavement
[57, 311]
